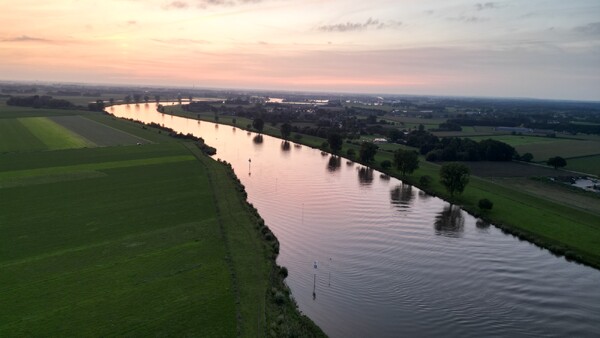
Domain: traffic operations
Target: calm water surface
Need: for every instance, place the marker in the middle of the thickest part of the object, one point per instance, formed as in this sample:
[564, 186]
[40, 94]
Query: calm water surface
[392, 260]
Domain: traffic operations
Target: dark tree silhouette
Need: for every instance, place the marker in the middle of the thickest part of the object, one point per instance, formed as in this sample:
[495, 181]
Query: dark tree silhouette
[137, 98]
[527, 157]
[335, 141]
[454, 176]
[157, 98]
[406, 161]
[557, 162]
[146, 98]
[367, 152]
[128, 99]
[258, 124]
[286, 131]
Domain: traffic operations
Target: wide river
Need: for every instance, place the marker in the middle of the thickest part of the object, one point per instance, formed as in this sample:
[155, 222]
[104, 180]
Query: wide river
[391, 260]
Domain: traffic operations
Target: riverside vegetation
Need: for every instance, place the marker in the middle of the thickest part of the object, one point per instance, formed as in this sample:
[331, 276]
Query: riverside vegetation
[145, 235]
[561, 228]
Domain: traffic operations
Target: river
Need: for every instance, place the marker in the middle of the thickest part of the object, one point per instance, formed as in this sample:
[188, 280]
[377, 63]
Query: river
[391, 260]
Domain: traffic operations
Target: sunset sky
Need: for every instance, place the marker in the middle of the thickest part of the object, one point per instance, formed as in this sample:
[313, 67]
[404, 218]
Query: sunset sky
[533, 48]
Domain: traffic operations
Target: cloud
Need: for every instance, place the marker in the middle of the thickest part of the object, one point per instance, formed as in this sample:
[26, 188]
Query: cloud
[359, 26]
[486, 5]
[182, 41]
[25, 38]
[468, 19]
[132, 22]
[177, 5]
[592, 28]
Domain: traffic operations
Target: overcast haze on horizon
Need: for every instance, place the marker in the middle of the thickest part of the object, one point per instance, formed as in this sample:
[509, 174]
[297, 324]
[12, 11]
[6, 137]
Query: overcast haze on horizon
[541, 49]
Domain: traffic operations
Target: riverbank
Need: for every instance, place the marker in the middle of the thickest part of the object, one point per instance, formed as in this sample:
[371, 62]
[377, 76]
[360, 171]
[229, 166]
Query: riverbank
[561, 229]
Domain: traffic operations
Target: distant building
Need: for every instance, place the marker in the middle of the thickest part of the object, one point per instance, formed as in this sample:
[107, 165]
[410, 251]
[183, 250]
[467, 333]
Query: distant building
[379, 140]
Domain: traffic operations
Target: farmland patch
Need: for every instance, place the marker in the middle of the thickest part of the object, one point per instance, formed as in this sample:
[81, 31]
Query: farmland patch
[98, 133]
[53, 135]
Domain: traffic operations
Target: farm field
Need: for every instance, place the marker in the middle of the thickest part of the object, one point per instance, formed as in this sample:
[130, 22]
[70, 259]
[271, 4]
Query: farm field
[588, 164]
[93, 249]
[543, 148]
[556, 192]
[28, 129]
[38, 133]
[122, 240]
[98, 133]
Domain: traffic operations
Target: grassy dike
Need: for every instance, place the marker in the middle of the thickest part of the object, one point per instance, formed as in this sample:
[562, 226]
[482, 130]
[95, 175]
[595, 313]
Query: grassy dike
[252, 250]
[565, 231]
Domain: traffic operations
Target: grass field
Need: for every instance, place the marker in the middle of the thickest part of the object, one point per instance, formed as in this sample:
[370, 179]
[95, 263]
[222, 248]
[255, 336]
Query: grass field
[149, 240]
[588, 164]
[543, 148]
[29, 129]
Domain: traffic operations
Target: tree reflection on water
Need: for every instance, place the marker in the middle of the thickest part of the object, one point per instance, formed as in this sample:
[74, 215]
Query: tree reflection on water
[334, 163]
[401, 196]
[258, 139]
[285, 146]
[365, 175]
[449, 222]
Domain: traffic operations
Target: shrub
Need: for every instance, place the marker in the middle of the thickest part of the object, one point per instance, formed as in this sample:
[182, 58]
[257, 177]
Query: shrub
[425, 180]
[386, 164]
[485, 204]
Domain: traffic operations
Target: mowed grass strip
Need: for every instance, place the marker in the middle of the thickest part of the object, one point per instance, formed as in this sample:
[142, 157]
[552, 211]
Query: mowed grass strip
[53, 135]
[98, 133]
[17, 174]
[14, 136]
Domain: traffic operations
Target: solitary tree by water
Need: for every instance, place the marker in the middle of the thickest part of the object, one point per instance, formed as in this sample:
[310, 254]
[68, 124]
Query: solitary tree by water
[258, 124]
[157, 98]
[455, 177]
[286, 130]
[367, 152]
[335, 141]
[406, 161]
[137, 98]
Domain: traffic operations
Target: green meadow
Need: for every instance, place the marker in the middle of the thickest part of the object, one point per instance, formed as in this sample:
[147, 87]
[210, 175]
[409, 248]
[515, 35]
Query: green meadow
[151, 239]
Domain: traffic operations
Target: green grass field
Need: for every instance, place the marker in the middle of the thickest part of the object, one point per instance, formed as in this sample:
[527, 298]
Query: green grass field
[543, 148]
[588, 164]
[141, 240]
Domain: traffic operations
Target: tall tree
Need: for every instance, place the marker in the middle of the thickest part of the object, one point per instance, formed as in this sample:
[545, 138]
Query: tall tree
[157, 98]
[367, 152]
[258, 124]
[336, 142]
[146, 98]
[406, 161]
[286, 130]
[137, 98]
[128, 99]
[455, 177]
[557, 162]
